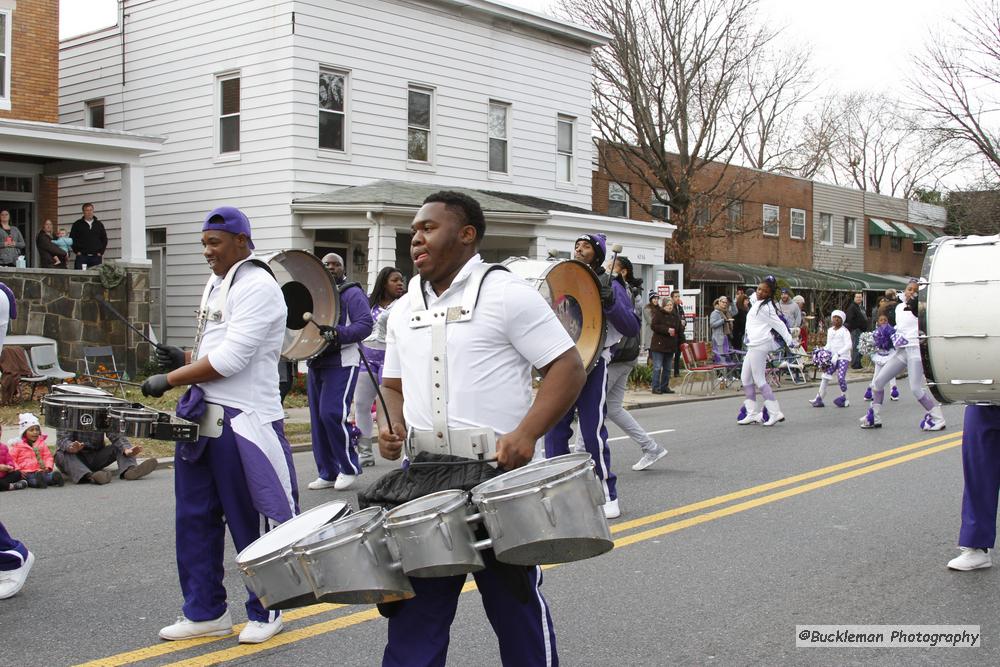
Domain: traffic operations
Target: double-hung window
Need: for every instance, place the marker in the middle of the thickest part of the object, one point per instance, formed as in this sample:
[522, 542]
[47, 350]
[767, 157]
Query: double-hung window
[797, 223]
[850, 232]
[499, 143]
[565, 136]
[332, 110]
[6, 34]
[734, 215]
[229, 113]
[771, 226]
[419, 114]
[95, 113]
[617, 200]
[658, 206]
[825, 231]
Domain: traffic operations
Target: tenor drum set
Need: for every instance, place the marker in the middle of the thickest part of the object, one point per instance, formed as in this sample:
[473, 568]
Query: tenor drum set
[548, 511]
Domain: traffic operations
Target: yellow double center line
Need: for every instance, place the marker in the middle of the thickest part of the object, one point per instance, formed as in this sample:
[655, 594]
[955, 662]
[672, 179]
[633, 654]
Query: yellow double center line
[792, 486]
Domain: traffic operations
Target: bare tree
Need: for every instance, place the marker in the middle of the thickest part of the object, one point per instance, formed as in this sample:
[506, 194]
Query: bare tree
[958, 82]
[673, 97]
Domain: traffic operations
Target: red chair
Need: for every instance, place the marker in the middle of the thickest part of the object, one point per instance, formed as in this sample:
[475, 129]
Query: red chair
[698, 370]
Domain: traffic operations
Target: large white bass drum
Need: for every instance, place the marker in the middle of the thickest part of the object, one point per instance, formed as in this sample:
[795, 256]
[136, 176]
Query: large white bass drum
[573, 292]
[960, 327]
[308, 287]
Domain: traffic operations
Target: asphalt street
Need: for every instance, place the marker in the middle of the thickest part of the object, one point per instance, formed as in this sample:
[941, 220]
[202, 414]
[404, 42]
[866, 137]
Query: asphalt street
[724, 546]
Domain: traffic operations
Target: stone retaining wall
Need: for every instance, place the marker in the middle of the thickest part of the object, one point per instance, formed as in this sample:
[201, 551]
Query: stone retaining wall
[62, 304]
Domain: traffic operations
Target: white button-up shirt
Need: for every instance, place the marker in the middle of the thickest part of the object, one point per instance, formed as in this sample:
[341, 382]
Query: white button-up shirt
[245, 347]
[489, 357]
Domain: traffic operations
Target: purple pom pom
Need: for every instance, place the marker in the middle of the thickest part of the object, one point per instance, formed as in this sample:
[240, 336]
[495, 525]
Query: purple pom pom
[883, 337]
[823, 359]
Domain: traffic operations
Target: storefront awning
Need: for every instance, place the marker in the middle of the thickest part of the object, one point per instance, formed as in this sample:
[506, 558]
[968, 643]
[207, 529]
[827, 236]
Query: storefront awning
[924, 235]
[905, 229]
[879, 227]
[752, 274]
[871, 281]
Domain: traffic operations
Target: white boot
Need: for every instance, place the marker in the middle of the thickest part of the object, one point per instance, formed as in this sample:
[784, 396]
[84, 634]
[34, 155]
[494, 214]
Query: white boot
[772, 413]
[749, 413]
[933, 420]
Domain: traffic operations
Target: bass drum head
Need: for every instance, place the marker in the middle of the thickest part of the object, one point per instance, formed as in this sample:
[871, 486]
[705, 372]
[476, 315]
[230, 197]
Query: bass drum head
[960, 345]
[308, 287]
[572, 291]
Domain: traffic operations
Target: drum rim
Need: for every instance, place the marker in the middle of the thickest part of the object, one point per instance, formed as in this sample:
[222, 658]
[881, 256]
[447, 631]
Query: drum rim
[377, 517]
[926, 270]
[579, 461]
[286, 549]
[63, 387]
[145, 414]
[88, 400]
[456, 498]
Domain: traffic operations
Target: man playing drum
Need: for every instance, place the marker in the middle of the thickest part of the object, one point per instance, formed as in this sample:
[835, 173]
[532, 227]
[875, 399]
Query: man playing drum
[476, 379]
[239, 473]
[592, 404]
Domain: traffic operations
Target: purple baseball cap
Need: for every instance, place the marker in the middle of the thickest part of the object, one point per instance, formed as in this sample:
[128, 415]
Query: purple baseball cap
[228, 219]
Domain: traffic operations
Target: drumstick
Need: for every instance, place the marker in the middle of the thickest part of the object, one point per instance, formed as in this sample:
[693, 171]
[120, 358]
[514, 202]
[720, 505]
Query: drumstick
[111, 309]
[308, 317]
[116, 381]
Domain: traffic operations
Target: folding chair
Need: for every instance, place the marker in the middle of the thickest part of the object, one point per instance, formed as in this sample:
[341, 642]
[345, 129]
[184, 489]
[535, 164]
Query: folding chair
[731, 362]
[100, 366]
[707, 374]
[790, 362]
[16, 371]
[45, 362]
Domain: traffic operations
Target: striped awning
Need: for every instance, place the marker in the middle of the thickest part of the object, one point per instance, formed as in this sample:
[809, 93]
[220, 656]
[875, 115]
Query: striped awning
[879, 227]
[924, 235]
[905, 229]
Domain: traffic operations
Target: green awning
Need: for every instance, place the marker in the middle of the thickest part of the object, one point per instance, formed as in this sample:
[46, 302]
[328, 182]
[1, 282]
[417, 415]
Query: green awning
[906, 230]
[752, 274]
[872, 281]
[879, 227]
[923, 235]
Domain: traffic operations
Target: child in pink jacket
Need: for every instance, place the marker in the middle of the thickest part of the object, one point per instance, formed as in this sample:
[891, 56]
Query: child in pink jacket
[32, 456]
[10, 478]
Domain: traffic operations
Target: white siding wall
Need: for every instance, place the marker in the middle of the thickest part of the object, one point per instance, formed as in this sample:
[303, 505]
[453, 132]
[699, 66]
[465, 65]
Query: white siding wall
[930, 215]
[387, 45]
[175, 48]
[104, 193]
[839, 203]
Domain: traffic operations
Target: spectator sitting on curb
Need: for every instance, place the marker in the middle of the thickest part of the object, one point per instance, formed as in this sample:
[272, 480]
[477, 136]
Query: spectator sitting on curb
[32, 456]
[10, 478]
[84, 455]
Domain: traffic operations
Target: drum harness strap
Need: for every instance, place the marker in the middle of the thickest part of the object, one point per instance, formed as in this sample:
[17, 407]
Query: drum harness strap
[473, 443]
[206, 314]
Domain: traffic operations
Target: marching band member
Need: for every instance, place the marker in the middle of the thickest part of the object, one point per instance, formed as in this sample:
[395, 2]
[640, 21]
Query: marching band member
[880, 357]
[981, 470]
[906, 357]
[591, 406]
[333, 376]
[389, 286]
[840, 345]
[239, 473]
[762, 318]
[470, 378]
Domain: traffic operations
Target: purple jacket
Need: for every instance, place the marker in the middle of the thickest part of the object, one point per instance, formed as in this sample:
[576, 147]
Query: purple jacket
[353, 326]
[621, 315]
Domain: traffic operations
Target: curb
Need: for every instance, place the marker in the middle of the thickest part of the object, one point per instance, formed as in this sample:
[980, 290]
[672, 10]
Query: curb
[299, 447]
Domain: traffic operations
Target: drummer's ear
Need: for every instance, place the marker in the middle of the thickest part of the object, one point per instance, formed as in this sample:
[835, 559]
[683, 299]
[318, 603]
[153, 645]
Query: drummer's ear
[468, 236]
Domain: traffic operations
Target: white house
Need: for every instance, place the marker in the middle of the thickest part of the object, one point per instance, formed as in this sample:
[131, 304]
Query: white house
[327, 120]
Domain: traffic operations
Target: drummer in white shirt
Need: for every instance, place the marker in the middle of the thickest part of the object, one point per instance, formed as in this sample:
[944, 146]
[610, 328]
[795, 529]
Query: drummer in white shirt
[239, 473]
[488, 362]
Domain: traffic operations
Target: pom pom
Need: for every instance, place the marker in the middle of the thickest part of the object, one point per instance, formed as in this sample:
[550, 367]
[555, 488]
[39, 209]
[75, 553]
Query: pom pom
[823, 358]
[866, 343]
[883, 337]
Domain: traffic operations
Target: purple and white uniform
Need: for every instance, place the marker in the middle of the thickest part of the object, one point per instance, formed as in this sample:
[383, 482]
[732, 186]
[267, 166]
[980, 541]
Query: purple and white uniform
[333, 376]
[244, 477]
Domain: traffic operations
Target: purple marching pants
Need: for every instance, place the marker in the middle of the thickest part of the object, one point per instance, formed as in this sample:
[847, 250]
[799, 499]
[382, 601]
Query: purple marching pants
[592, 407]
[212, 492]
[981, 467]
[331, 393]
[418, 631]
[12, 553]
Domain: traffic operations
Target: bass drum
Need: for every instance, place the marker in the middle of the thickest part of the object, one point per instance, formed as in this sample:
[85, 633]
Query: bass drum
[960, 342]
[572, 290]
[308, 288]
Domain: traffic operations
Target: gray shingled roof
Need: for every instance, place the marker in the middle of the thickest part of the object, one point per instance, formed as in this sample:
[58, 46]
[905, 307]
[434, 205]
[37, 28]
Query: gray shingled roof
[403, 193]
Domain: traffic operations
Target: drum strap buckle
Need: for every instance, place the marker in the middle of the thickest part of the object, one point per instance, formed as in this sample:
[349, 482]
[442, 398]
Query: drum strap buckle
[470, 443]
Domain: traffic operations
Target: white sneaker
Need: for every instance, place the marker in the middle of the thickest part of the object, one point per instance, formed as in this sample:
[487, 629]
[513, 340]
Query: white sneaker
[344, 482]
[649, 458]
[320, 483]
[611, 509]
[185, 628]
[257, 632]
[11, 581]
[971, 559]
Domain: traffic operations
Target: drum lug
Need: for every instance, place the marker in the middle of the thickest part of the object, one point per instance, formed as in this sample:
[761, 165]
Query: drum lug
[446, 533]
[492, 525]
[291, 569]
[391, 545]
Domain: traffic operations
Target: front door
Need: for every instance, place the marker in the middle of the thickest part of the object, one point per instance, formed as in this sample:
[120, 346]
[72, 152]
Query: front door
[20, 217]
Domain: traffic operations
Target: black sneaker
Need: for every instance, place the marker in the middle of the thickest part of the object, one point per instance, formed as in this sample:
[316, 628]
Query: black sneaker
[57, 478]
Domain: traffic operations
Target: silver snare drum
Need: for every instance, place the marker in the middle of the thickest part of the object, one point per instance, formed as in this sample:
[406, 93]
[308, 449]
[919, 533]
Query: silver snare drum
[348, 561]
[79, 412]
[132, 422]
[79, 390]
[271, 571]
[549, 511]
[432, 536]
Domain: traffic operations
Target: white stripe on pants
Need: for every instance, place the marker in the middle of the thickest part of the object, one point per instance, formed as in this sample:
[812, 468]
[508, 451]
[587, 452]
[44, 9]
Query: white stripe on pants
[617, 383]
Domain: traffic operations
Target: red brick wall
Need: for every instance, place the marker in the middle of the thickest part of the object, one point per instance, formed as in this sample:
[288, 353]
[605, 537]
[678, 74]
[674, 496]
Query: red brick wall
[48, 201]
[749, 246]
[34, 69]
[885, 260]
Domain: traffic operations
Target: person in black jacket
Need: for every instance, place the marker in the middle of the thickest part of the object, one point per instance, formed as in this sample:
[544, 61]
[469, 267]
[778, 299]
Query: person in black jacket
[90, 240]
[50, 256]
[856, 322]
